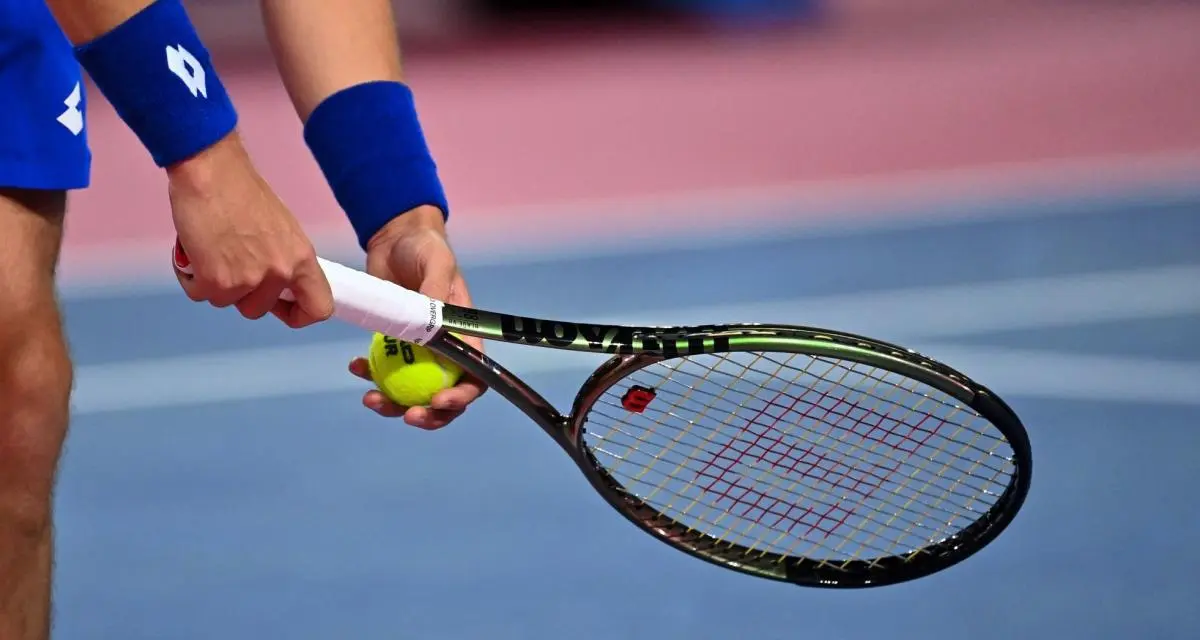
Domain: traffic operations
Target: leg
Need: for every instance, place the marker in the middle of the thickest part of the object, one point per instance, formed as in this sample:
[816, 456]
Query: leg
[43, 154]
[35, 384]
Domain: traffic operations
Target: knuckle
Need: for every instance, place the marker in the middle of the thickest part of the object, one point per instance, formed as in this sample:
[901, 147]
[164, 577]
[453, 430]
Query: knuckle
[222, 296]
[306, 253]
[220, 281]
[281, 269]
[302, 255]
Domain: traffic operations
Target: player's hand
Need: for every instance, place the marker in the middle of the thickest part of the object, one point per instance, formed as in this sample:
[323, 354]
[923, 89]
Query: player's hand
[243, 244]
[412, 251]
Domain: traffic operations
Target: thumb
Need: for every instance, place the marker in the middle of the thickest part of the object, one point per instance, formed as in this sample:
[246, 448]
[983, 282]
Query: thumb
[313, 297]
[438, 273]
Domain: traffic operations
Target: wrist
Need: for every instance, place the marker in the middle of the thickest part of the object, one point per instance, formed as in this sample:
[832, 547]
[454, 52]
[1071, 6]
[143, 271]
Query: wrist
[369, 145]
[425, 218]
[159, 78]
[201, 171]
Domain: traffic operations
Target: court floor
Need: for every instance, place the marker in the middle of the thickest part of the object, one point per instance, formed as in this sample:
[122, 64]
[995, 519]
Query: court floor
[222, 481]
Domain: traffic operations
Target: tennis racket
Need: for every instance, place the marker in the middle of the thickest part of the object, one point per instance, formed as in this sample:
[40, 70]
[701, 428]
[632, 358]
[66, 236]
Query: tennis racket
[802, 455]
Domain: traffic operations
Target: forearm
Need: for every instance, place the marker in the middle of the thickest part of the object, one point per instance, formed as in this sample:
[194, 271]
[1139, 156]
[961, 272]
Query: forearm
[340, 63]
[322, 47]
[85, 20]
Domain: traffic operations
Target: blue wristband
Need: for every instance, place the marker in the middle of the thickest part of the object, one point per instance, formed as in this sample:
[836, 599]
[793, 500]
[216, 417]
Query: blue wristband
[158, 76]
[370, 147]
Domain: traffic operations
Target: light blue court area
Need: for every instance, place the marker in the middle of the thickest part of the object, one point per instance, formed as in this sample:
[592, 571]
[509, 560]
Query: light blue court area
[222, 481]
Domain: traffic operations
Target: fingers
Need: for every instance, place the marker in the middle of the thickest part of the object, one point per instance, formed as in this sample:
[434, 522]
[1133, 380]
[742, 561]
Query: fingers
[429, 419]
[458, 397]
[420, 258]
[446, 406]
[254, 286]
[313, 296]
[440, 275]
[257, 302]
[461, 296]
[214, 286]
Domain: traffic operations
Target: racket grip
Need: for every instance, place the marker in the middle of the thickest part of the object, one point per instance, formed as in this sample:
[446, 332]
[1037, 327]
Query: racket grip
[375, 304]
[365, 301]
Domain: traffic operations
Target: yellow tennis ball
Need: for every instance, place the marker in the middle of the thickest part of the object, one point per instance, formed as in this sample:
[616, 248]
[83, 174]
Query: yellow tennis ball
[407, 373]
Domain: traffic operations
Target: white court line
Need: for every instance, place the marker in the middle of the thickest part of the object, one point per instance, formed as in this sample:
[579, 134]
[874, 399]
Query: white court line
[929, 314]
[721, 217]
[963, 309]
[1069, 376]
[266, 374]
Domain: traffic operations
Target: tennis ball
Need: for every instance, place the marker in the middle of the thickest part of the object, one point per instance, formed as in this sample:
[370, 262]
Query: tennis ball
[407, 373]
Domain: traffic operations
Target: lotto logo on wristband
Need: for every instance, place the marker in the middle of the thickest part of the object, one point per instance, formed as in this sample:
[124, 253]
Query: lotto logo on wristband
[138, 66]
[186, 67]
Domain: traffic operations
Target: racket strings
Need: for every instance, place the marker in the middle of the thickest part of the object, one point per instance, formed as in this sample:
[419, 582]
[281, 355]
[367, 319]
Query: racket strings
[830, 514]
[715, 429]
[831, 410]
[681, 462]
[781, 452]
[717, 530]
[730, 532]
[787, 502]
[739, 497]
[877, 377]
[880, 377]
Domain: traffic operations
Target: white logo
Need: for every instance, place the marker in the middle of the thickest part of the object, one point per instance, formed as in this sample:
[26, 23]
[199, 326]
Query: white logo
[72, 118]
[182, 63]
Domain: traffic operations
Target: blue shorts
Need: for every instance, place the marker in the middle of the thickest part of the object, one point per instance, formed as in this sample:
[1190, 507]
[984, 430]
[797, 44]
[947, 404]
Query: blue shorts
[43, 140]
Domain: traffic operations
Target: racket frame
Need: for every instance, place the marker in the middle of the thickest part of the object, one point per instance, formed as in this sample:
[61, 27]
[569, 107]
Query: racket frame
[632, 348]
[378, 305]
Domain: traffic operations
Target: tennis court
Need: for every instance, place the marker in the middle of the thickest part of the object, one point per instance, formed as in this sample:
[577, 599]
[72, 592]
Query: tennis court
[222, 481]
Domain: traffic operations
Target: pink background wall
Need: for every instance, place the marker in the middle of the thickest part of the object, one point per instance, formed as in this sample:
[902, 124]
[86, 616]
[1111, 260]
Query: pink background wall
[552, 116]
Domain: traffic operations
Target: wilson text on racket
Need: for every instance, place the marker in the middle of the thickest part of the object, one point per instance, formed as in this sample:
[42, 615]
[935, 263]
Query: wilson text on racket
[611, 339]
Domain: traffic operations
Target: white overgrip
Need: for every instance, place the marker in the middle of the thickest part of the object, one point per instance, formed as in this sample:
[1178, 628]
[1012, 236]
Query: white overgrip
[378, 305]
[366, 301]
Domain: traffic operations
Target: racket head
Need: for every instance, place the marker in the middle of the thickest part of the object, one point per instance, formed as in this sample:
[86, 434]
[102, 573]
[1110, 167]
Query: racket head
[816, 458]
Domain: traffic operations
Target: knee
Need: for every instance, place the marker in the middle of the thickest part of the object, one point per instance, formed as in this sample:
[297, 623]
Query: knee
[35, 387]
[35, 372]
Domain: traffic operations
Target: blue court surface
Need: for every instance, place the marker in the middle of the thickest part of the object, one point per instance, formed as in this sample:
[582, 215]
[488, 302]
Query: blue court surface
[222, 480]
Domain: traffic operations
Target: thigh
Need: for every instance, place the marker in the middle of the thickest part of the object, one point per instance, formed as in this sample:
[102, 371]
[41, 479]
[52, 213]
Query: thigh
[31, 224]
